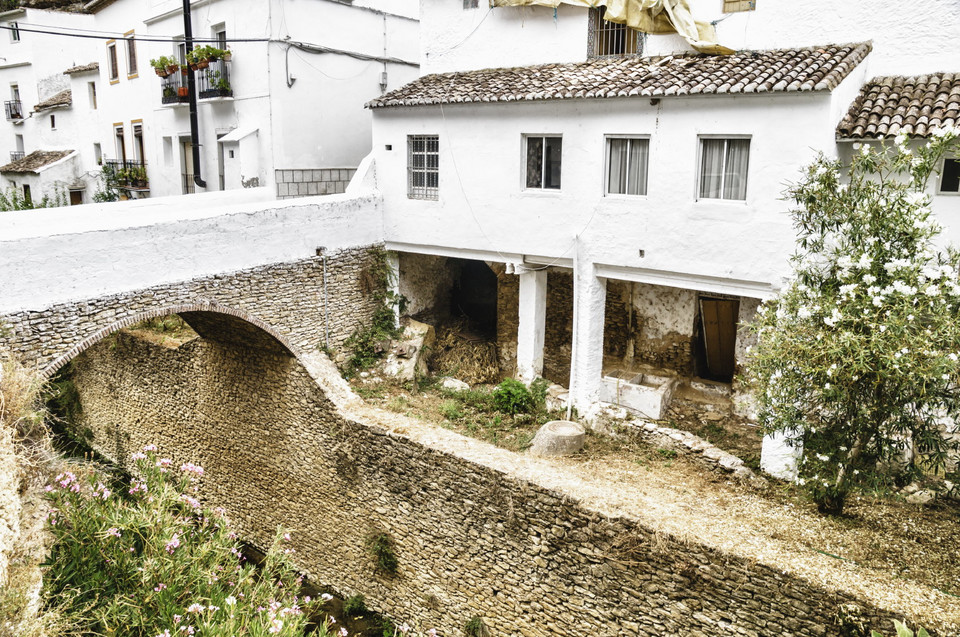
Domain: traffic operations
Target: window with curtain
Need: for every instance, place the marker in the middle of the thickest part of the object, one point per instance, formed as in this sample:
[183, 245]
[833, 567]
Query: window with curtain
[627, 165]
[423, 166]
[543, 162]
[723, 168]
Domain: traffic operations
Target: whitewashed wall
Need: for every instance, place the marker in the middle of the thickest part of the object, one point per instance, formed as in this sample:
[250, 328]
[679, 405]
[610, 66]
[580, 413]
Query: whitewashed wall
[482, 204]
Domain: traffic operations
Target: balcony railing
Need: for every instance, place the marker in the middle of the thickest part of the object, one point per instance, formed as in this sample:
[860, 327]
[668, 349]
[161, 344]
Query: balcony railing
[173, 89]
[16, 155]
[14, 109]
[127, 174]
[214, 81]
[189, 187]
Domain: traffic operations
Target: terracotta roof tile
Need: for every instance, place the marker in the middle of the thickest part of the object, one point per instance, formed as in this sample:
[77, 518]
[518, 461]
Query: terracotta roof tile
[790, 70]
[915, 105]
[83, 68]
[63, 98]
[34, 161]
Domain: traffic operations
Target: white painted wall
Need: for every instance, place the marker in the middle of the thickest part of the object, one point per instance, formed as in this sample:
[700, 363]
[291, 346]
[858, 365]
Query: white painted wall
[55, 255]
[908, 39]
[456, 39]
[483, 205]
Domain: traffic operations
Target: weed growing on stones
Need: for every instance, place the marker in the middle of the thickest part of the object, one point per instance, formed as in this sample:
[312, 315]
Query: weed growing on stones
[368, 344]
[381, 548]
[355, 605]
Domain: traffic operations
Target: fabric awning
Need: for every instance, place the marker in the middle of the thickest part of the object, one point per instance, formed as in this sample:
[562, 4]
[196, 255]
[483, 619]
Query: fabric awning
[649, 16]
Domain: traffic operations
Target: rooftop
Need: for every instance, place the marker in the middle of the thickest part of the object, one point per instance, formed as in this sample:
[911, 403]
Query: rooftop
[63, 98]
[83, 68]
[819, 68]
[915, 105]
[35, 161]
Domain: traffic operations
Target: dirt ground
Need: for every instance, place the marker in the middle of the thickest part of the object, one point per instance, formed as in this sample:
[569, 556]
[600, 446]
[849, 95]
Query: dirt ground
[889, 537]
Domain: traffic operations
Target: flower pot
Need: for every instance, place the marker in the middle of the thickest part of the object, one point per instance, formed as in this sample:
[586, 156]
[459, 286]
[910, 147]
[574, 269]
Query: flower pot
[227, 56]
[202, 64]
[183, 91]
[194, 66]
[173, 68]
[162, 72]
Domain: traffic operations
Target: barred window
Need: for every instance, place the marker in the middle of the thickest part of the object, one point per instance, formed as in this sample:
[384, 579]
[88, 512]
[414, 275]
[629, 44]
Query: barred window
[423, 166]
[733, 6]
[609, 39]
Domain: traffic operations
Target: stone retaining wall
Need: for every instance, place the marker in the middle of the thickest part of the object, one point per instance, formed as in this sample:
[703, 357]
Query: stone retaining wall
[291, 297]
[472, 539]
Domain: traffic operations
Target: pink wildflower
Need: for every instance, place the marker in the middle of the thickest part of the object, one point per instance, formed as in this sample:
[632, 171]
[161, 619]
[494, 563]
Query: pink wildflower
[149, 448]
[276, 626]
[195, 608]
[114, 531]
[138, 456]
[159, 587]
[343, 632]
[189, 467]
[173, 544]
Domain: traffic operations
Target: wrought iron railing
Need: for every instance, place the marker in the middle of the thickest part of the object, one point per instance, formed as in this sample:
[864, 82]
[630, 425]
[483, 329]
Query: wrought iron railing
[14, 109]
[127, 174]
[188, 186]
[214, 81]
[173, 89]
[16, 154]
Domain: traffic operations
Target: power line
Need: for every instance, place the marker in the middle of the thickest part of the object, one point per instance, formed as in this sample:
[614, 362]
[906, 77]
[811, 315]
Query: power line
[162, 39]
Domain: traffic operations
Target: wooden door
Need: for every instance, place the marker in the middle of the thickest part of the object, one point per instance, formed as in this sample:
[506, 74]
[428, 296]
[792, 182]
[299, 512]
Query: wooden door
[719, 324]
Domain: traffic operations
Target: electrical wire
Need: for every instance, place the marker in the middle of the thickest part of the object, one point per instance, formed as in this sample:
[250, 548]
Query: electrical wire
[138, 38]
[327, 75]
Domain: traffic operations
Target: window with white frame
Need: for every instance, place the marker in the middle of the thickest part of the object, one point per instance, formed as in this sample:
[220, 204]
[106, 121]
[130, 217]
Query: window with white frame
[627, 165]
[121, 146]
[950, 175]
[543, 161]
[113, 67]
[723, 168]
[423, 166]
[14, 31]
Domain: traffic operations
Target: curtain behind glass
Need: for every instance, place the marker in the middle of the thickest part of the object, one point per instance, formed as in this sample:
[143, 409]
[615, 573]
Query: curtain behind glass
[534, 162]
[638, 166]
[735, 174]
[711, 167]
[617, 176]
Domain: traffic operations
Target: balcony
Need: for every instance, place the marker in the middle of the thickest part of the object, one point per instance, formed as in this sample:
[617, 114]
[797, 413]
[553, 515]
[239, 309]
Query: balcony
[16, 155]
[14, 110]
[129, 175]
[214, 81]
[173, 89]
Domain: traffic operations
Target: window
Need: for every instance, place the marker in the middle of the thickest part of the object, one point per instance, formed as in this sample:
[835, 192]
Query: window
[14, 31]
[471, 4]
[723, 168]
[131, 55]
[27, 196]
[53, 122]
[423, 166]
[121, 146]
[543, 162]
[733, 6]
[627, 165]
[112, 66]
[98, 154]
[950, 177]
[138, 154]
[612, 39]
[92, 93]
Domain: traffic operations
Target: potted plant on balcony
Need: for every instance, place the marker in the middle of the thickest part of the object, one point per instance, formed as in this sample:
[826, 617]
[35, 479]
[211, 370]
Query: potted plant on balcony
[164, 65]
[183, 91]
[196, 60]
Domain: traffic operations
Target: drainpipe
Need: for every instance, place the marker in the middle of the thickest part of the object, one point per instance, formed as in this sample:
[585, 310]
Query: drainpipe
[192, 88]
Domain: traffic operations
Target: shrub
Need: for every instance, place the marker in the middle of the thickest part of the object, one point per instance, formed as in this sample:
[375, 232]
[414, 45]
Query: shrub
[145, 559]
[512, 397]
[451, 410]
[354, 605]
[476, 628]
[538, 392]
[858, 356]
[380, 547]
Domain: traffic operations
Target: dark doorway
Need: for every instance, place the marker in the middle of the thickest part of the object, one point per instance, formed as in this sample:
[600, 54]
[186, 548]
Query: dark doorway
[474, 297]
[717, 338]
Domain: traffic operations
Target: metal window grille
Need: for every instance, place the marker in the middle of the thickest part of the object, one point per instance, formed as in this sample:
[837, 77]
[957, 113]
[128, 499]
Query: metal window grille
[423, 166]
[609, 39]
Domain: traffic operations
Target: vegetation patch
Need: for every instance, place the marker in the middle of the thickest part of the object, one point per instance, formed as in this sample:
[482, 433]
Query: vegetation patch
[380, 547]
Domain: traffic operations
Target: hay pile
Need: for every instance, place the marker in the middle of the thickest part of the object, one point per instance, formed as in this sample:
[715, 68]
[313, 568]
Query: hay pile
[466, 356]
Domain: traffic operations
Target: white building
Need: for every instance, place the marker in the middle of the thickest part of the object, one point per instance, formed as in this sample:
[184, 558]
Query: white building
[285, 112]
[637, 198]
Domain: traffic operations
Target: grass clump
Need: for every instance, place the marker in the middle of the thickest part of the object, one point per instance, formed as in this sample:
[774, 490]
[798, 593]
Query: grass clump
[146, 559]
[512, 397]
[381, 548]
[355, 605]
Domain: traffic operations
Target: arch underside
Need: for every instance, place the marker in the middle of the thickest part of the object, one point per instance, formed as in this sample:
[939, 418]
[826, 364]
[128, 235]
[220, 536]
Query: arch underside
[209, 320]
